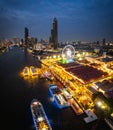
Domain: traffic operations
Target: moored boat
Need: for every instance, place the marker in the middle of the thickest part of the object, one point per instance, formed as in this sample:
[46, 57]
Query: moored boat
[33, 71]
[58, 96]
[26, 71]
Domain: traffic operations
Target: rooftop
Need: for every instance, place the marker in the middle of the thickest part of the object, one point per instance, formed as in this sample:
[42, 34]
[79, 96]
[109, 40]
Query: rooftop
[86, 73]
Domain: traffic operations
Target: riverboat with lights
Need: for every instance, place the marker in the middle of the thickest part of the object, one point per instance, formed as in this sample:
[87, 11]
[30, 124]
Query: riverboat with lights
[33, 71]
[26, 71]
[40, 119]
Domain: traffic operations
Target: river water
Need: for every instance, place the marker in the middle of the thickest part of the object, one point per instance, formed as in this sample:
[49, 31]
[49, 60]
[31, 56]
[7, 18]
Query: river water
[16, 94]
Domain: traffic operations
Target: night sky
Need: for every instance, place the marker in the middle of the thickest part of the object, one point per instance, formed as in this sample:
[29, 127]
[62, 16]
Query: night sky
[85, 20]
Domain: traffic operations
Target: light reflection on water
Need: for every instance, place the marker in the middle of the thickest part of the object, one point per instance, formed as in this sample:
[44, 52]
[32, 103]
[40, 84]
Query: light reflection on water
[31, 80]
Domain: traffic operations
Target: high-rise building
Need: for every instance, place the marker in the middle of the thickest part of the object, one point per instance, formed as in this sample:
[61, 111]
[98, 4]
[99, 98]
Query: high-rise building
[26, 36]
[103, 41]
[54, 34]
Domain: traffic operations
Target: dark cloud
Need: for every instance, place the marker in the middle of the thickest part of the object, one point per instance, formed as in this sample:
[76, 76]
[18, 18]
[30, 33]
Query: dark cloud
[85, 19]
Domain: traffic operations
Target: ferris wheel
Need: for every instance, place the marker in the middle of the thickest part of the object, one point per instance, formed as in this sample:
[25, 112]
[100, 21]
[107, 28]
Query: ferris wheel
[68, 52]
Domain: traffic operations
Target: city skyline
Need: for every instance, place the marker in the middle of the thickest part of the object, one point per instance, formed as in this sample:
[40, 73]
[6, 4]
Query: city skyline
[86, 20]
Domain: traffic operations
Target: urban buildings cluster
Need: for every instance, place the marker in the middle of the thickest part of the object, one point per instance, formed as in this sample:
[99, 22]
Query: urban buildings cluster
[54, 44]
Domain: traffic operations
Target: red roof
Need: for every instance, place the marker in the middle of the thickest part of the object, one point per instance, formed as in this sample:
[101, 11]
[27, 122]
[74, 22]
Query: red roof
[84, 72]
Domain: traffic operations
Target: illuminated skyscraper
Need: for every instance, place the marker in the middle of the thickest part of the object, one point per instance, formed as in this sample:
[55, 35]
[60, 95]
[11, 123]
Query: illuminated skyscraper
[54, 34]
[26, 35]
[103, 41]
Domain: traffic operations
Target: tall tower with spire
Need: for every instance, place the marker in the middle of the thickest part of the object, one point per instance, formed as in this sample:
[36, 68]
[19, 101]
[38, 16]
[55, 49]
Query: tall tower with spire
[26, 35]
[54, 34]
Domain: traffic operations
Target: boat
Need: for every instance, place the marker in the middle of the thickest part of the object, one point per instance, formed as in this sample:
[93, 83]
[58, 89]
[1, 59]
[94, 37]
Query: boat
[26, 71]
[40, 119]
[46, 75]
[33, 71]
[58, 96]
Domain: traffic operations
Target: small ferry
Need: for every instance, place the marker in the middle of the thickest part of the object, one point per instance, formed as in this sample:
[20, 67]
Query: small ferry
[33, 70]
[58, 96]
[46, 75]
[40, 119]
[26, 71]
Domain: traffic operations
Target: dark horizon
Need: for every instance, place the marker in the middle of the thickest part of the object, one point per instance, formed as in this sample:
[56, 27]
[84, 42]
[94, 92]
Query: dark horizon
[84, 20]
